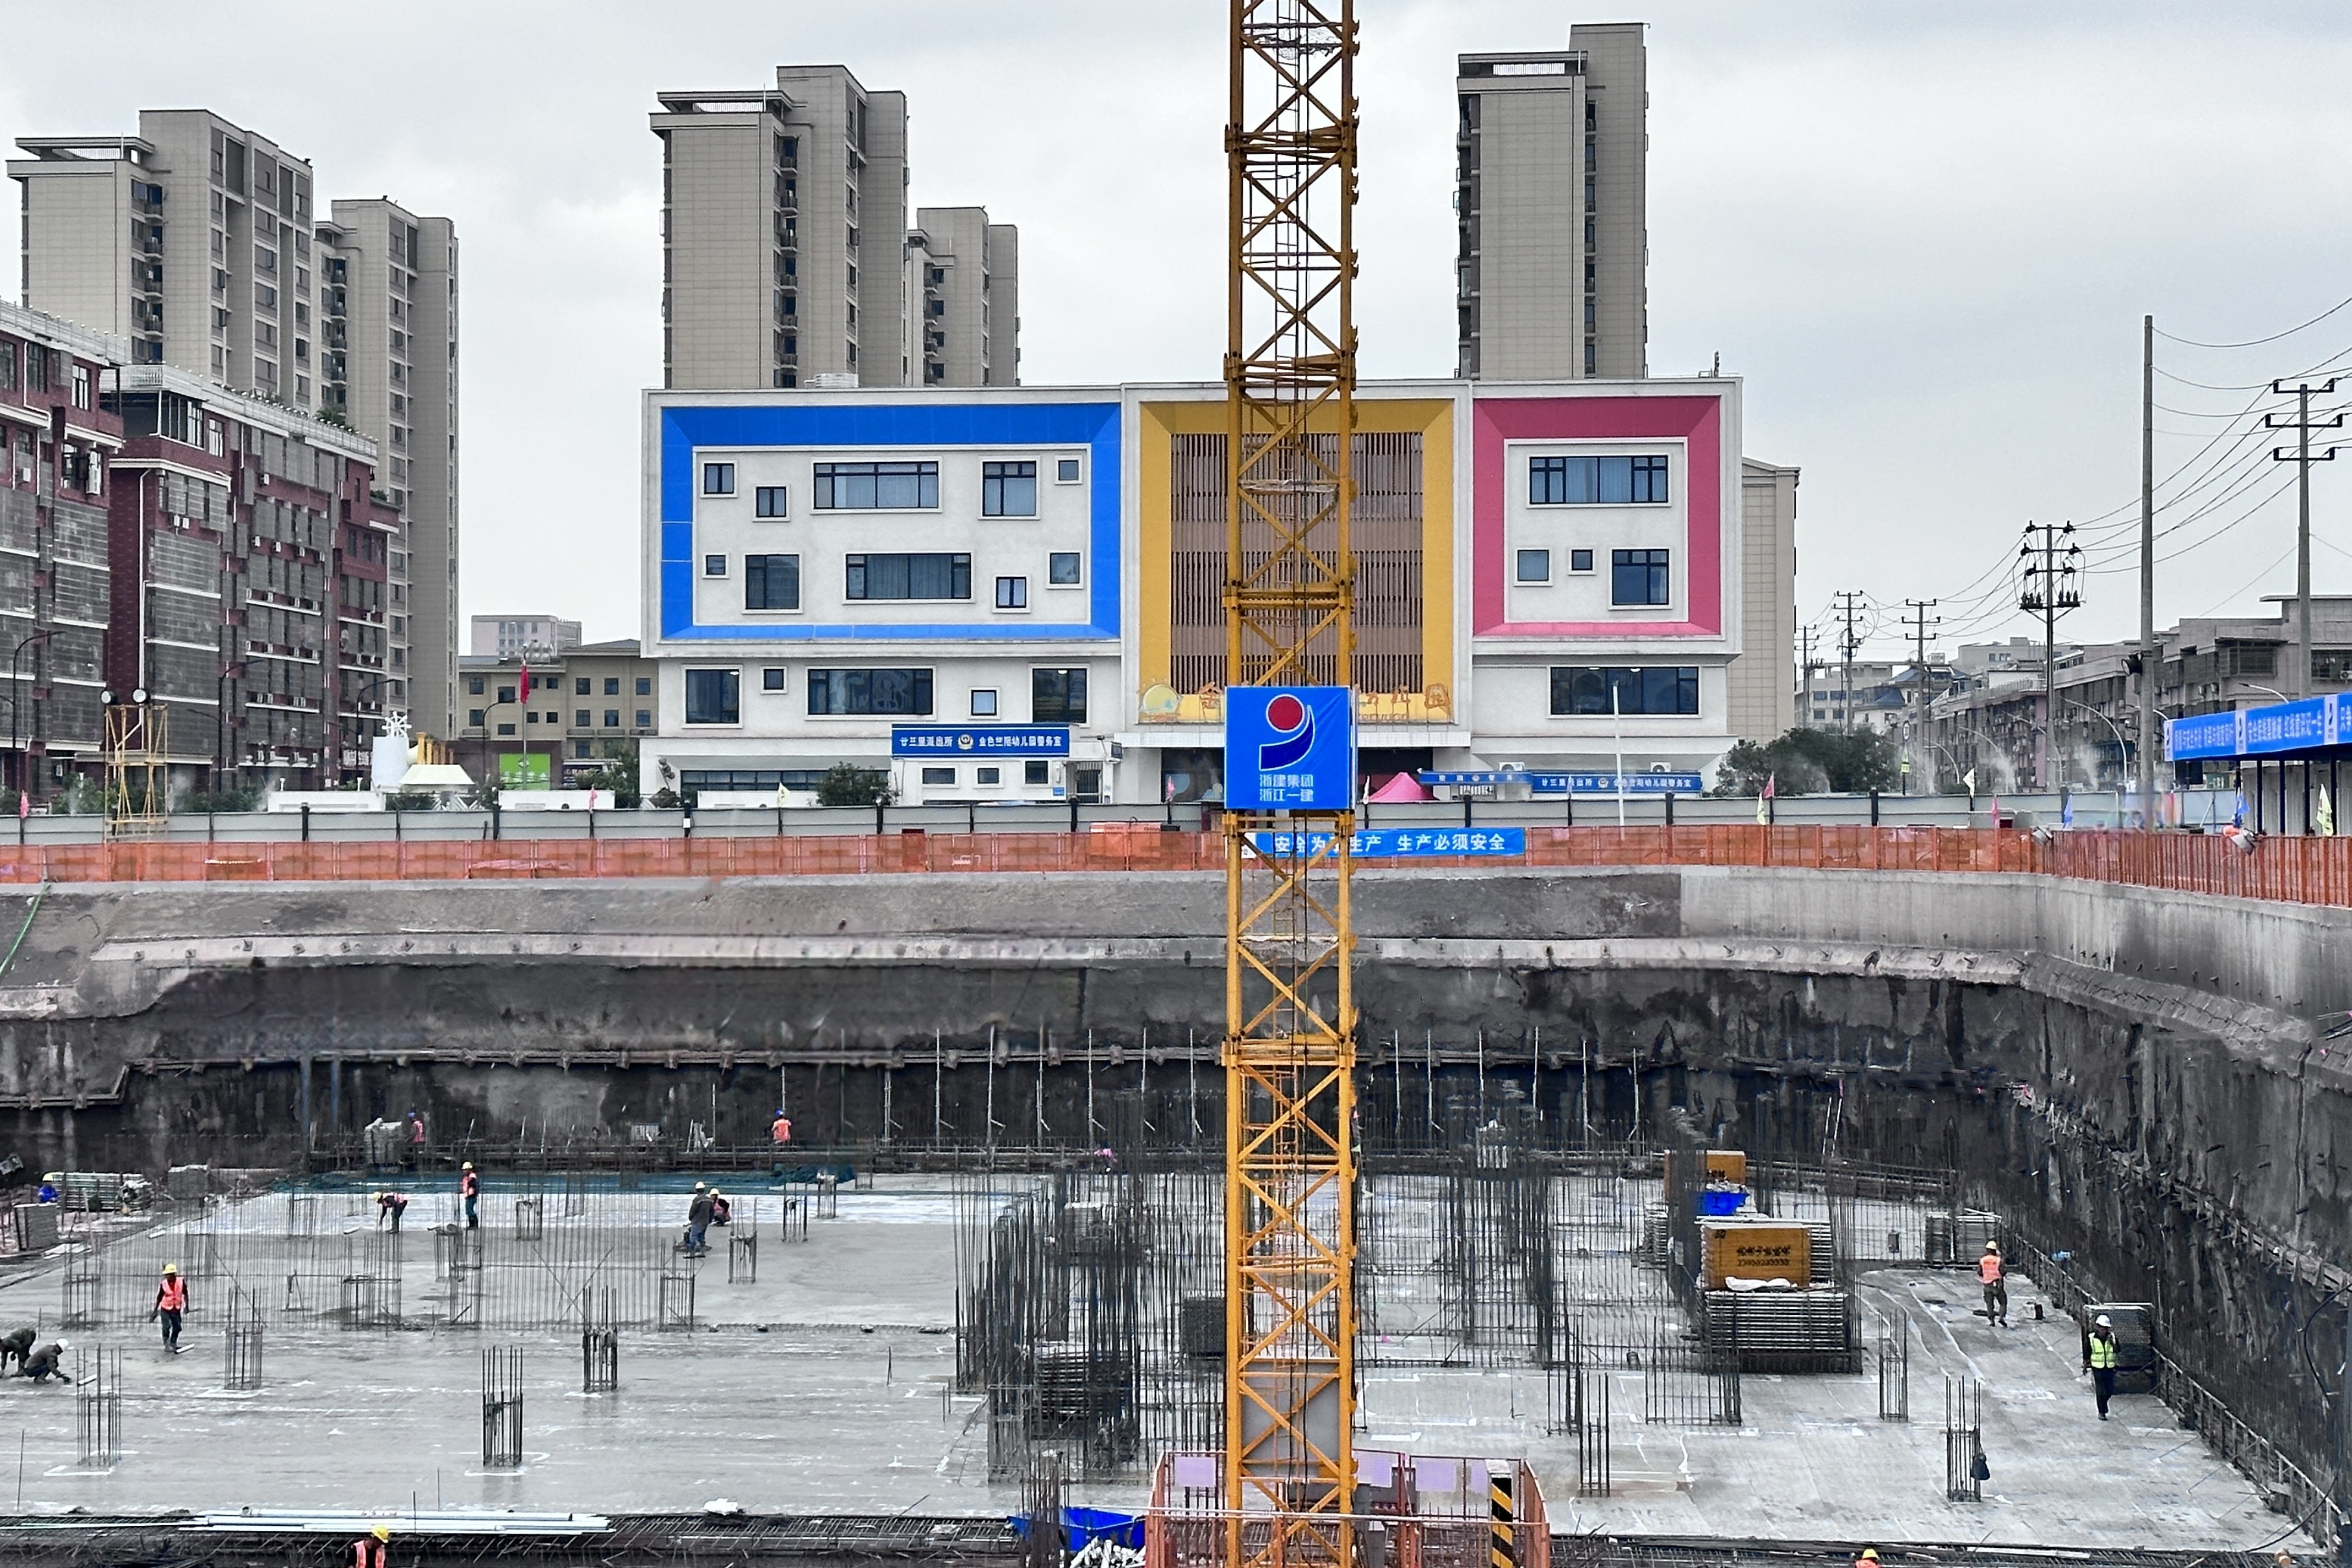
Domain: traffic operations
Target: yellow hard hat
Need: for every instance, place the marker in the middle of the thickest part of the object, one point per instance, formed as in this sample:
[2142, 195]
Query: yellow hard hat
[468, 1165]
[381, 1533]
[171, 1269]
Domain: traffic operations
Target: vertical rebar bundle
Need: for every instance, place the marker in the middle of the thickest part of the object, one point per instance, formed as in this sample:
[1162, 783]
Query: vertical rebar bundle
[242, 1372]
[600, 1344]
[502, 1407]
[1963, 1438]
[98, 1406]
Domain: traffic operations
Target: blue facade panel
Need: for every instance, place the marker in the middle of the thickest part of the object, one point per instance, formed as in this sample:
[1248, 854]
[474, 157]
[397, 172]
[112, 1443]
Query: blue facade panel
[926, 424]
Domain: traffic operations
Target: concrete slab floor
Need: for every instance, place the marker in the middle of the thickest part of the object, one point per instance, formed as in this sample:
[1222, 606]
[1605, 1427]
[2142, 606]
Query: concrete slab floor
[826, 1387]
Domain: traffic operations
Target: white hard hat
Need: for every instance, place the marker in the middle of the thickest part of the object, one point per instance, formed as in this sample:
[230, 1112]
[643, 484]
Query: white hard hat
[2103, 1322]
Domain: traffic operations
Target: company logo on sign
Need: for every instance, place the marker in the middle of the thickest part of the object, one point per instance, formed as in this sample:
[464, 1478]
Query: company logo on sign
[1293, 723]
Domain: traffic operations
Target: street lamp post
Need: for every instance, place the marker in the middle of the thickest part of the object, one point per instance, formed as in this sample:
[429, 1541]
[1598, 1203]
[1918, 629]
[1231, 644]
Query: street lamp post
[40, 636]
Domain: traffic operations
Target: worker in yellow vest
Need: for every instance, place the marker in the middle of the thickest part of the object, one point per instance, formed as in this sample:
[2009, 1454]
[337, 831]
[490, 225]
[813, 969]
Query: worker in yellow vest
[2099, 1361]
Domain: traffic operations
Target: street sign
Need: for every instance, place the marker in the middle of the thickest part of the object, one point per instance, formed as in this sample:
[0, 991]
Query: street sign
[1289, 748]
[980, 740]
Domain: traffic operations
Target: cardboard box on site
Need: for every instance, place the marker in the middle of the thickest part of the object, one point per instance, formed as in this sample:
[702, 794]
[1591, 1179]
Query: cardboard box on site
[1722, 1165]
[1756, 1250]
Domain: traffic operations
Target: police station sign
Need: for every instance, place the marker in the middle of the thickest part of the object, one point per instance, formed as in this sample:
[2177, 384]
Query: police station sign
[1289, 748]
[980, 740]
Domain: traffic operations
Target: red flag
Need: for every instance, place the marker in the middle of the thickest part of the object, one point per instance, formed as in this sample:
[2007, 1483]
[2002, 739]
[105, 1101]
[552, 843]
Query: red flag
[526, 680]
[24, 806]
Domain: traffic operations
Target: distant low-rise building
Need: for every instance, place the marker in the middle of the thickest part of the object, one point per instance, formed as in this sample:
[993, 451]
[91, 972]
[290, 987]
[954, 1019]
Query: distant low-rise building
[589, 705]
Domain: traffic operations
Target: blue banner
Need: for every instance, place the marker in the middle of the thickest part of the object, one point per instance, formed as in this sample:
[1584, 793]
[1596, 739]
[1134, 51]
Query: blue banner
[1574, 784]
[1400, 842]
[2272, 730]
[1289, 748]
[980, 740]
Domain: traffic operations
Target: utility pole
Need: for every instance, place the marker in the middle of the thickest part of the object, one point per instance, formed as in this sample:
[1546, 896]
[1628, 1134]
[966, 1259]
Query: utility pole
[2053, 586]
[2146, 777]
[2303, 427]
[1848, 642]
[1918, 625]
[1806, 661]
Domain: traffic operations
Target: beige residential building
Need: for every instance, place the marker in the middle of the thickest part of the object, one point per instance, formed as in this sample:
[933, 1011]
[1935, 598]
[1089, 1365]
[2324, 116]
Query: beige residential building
[1551, 149]
[1761, 701]
[198, 241]
[786, 255]
[390, 309]
[963, 298]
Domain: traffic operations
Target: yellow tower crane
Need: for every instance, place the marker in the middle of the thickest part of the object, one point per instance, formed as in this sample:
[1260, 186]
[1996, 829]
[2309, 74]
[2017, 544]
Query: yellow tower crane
[1290, 591]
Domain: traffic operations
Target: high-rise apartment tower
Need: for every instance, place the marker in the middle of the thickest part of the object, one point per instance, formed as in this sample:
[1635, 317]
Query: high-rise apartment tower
[1551, 148]
[786, 256]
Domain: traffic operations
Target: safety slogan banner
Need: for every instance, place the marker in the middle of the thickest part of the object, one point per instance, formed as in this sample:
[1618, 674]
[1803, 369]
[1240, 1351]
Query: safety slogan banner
[1398, 843]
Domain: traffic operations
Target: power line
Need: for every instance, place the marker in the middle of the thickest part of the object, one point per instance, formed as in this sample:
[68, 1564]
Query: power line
[2257, 342]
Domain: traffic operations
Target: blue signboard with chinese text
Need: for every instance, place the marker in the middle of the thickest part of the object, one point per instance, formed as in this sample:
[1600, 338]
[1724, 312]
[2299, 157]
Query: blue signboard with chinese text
[980, 740]
[1289, 748]
[1399, 843]
[2273, 729]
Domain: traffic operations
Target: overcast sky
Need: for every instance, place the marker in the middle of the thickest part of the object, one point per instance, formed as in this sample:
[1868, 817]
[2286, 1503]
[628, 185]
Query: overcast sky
[1924, 236]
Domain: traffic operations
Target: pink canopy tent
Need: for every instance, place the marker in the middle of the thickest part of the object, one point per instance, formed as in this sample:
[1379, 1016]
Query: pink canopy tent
[1403, 786]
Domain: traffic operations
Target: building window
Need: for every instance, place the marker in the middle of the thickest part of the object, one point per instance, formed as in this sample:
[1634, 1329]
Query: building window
[930, 576]
[1013, 593]
[506, 729]
[1535, 566]
[473, 685]
[645, 686]
[714, 697]
[1596, 481]
[876, 487]
[1065, 569]
[988, 775]
[580, 719]
[714, 566]
[506, 693]
[1034, 771]
[938, 775]
[1065, 471]
[612, 686]
[771, 582]
[644, 717]
[1008, 489]
[719, 479]
[582, 687]
[474, 717]
[772, 678]
[854, 691]
[1584, 692]
[612, 718]
[1579, 561]
[984, 702]
[81, 386]
[768, 500]
[1637, 577]
[1057, 696]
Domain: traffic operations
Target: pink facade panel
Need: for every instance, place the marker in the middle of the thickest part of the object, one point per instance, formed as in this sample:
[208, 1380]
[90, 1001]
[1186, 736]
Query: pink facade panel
[1697, 422]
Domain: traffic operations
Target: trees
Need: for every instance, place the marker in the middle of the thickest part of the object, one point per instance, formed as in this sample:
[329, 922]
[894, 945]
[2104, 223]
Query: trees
[617, 776]
[1810, 762]
[846, 784]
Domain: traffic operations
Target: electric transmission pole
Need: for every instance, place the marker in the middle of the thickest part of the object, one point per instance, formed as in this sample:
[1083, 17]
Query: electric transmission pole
[2148, 660]
[1807, 663]
[2053, 586]
[1918, 625]
[1847, 643]
[2303, 426]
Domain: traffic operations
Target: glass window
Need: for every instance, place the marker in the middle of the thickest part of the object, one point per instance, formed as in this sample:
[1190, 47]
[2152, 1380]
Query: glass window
[474, 718]
[1013, 593]
[984, 702]
[768, 500]
[612, 718]
[719, 479]
[1008, 489]
[474, 685]
[928, 576]
[506, 693]
[644, 717]
[1064, 568]
[1535, 566]
[1057, 696]
[938, 775]
[1579, 561]
[1033, 772]
[1578, 690]
[713, 697]
[869, 691]
[645, 686]
[1065, 470]
[580, 718]
[772, 678]
[1596, 481]
[1637, 577]
[876, 487]
[988, 775]
[612, 686]
[771, 582]
[714, 566]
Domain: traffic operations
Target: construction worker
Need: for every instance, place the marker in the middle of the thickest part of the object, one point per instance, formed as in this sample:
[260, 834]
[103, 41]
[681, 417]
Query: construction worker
[415, 1140]
[369, 1551]
[781, 1130]
[1994, 1276]
[2099, 1361]
[1869, 1558]
[390, 1206]
[16, 1347]
[47, 1363]
[469, 1187]
[697, 1220]
[722, 1210]
[171, 1301]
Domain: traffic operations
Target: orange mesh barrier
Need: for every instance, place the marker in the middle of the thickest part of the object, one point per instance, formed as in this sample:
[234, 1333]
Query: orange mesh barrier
[2289, 870]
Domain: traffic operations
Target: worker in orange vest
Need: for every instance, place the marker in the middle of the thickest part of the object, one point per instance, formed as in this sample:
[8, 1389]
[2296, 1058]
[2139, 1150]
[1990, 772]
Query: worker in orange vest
[1994, 1276]
[1869, 1558]
[390, 1206]
[171, 1301]
[370, 1549]
[469, 1187]
[781, 1130]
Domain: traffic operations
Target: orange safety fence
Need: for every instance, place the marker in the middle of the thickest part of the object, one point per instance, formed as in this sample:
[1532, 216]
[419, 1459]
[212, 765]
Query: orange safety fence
[2290, 870]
